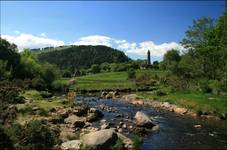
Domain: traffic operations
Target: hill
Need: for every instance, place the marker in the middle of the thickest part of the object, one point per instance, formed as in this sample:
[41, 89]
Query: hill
[80, 56]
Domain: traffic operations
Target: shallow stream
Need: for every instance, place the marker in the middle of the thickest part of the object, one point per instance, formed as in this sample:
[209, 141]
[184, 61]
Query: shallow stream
[176, 131]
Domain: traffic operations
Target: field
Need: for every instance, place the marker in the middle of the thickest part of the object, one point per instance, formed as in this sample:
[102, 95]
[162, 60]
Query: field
[110, 80]
[198, 101]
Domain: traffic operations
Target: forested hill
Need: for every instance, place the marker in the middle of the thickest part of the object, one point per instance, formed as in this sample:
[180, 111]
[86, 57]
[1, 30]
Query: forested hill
[81, 56]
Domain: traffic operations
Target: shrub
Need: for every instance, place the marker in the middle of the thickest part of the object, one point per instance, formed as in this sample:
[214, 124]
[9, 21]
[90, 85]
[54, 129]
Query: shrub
[67, 74]
[136, 142]
[45, 94]
[131, 74]
[38, 83]
[36, 135]
[118, 146]
[95, 68]
[59, 85]
[5, 142]
[160, 93]
[204, 86]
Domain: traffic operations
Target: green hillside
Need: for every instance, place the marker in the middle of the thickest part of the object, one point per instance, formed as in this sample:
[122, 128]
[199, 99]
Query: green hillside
[81, 56]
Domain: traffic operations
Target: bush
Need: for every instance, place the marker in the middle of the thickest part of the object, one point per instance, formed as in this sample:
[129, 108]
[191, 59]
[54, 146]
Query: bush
[204, 86]
[160, 93]
[118, 146]
[95, 68]
[131, 74]
[38, 83]
[36, 135]
[136, 142]
[67, 74]
[59, 85]
[5, 142]
[46, 94]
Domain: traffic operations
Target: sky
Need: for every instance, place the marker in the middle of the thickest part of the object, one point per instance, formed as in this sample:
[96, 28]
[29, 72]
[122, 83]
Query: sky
[130, 26]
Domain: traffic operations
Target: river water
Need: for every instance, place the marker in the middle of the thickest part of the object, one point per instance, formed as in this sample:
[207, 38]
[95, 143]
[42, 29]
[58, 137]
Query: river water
[176, 131]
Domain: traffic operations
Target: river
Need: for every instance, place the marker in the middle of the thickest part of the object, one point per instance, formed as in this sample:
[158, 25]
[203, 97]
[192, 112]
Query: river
[176, 131]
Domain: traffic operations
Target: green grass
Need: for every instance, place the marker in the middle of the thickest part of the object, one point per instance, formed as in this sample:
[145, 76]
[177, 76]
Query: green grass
[193, 100]
[118, 80]
[36, 100]
[110, 80]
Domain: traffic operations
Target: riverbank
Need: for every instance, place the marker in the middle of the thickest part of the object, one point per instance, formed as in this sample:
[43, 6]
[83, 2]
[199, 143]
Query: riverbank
[203, 104]
[139, 100]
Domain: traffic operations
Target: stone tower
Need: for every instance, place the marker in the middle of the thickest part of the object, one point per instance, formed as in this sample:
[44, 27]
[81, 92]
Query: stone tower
[148, 58]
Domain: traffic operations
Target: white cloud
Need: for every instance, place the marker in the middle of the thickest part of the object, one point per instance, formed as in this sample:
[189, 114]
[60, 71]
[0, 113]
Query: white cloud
[23, 40]
[30, 41]
[156, 50]
[17, 32]
[94, 40]
[43, 34]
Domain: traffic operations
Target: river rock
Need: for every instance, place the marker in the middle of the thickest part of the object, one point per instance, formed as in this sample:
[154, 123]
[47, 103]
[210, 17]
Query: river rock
[66, 135]
[180, 110]
[103, 94]
[100, 140]
[75, 120]
[105, 126]
[74, 144]
[110, 95]
[94, 114]
[142, 120]
[80, 109]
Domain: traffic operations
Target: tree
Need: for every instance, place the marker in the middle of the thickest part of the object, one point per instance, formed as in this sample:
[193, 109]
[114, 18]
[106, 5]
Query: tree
[171, 60]
[8, 53]
[131, 74]
[95, 68]
[4, 73]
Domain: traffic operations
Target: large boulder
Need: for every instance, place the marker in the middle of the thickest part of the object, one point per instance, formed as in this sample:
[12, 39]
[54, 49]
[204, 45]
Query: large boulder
[94, 114]
[71, 145]
[75, 120]
[142, 120]
[100, 140]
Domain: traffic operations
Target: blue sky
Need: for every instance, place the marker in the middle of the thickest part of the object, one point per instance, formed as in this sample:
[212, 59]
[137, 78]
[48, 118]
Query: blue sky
[131, 27]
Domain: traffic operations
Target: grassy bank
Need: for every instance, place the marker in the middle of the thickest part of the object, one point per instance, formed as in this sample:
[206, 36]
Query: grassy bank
[25, 112]
[198, 101]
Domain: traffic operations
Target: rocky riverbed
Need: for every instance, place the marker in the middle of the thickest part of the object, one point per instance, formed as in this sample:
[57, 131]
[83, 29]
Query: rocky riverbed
[101, 122]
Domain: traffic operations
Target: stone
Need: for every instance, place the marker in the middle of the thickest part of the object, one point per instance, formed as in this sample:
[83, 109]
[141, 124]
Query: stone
[35, 108]
[75, 121]
[74, 144]
[80, 109]
[124, 126]
[66, 135]
[120, 130]
[105, 126]
[155, 128]
[197, 126]
[109, 95]
[100, 140]
[93, 115]
[103, 94]
[180, 110]
[142, 120]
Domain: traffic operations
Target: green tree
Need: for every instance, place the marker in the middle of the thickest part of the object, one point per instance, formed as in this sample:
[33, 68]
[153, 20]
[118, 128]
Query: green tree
[95, 68]
[171, 60]
[4, 73]
[8, 53]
